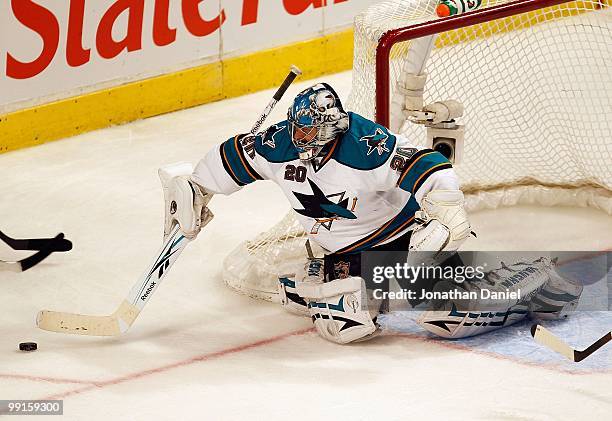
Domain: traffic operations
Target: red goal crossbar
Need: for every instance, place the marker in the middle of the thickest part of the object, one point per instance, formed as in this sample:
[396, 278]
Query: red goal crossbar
[392, 37]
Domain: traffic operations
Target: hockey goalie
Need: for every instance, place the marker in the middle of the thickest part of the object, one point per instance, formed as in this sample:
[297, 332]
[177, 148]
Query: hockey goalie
[355, 187]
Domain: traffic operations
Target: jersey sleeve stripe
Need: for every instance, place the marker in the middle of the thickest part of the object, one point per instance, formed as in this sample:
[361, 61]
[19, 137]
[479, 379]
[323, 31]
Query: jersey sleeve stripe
[232, 159]
[419, 182]
[227, 166]
[420, 167]
[411, 163]
[248, 168]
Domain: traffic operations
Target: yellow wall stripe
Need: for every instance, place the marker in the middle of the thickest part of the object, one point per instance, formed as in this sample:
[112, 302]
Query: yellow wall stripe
[175, 91]
[224, 79]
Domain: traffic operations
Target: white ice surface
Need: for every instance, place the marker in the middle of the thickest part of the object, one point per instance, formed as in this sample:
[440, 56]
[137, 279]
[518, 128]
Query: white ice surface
[198, 350]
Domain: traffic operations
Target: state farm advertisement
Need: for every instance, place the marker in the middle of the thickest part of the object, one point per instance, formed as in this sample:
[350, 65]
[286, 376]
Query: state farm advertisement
[52, 49]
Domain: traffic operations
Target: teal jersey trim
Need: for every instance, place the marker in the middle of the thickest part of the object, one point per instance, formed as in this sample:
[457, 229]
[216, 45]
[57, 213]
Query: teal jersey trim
[419, 167]
[275, 144]
[366, 145]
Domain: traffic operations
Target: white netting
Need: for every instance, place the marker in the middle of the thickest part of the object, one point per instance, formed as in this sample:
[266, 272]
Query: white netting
[537, 92]
[254, 266]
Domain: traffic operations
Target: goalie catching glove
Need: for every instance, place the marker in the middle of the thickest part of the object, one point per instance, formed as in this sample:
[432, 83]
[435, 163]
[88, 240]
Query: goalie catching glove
[185, 201]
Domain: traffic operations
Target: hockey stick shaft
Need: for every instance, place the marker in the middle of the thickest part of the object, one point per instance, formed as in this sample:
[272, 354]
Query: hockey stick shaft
[293, 73]
[121, 320]
[545, 337]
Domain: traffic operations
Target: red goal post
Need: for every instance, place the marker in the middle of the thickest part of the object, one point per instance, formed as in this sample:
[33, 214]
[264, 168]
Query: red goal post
[392, 37]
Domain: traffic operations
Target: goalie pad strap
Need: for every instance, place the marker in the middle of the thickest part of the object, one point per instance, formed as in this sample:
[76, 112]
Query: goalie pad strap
[310, 273]
[337, 310]
[330, 289]
[556, 299]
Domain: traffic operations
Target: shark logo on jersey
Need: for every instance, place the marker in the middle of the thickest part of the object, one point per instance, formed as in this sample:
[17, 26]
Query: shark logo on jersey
[320, 207]
[376, 142]
[272, 131]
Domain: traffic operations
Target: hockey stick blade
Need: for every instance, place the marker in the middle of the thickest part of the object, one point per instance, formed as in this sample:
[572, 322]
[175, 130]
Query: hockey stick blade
[47, 246]
[545, 337]
[121, 320]
[57, 243]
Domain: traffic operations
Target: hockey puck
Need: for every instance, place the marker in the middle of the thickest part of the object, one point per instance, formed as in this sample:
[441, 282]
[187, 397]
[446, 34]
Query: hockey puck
[28, 346]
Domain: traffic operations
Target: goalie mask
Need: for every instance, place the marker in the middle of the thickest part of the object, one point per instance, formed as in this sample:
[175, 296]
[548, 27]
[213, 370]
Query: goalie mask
[315, 119]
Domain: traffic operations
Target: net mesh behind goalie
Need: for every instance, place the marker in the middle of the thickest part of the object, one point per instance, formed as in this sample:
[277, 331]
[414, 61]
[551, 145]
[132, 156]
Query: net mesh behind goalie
[537, 92]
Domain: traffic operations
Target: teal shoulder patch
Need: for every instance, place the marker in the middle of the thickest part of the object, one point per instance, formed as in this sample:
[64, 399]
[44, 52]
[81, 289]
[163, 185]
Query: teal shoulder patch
[366, 145]
[275, 144]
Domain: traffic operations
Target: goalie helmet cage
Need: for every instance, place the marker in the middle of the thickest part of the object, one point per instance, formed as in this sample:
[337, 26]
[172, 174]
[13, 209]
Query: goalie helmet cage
[534, 78]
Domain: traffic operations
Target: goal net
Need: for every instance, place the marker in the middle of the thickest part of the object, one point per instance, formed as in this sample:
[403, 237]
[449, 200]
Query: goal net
[535, 81]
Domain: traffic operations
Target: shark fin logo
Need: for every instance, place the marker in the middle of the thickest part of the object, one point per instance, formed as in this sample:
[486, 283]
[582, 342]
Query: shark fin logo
[325, 209]
[376, 142]
[272, 131]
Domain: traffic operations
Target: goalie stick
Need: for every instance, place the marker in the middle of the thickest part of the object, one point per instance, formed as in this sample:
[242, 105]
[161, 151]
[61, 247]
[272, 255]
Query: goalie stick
[121, 320]
[43, 246]
[544, 337]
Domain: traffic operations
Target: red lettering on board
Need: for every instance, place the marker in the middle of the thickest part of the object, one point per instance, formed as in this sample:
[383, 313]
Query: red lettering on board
[195, 23]
[45, 24]
[76, 55]
[296, 7]
[106, 45]
[249, 12]
[162, 33]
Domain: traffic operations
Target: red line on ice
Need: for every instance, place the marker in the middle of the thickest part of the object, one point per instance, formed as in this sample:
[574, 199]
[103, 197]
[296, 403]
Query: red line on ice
[44, 379]
[193, 360]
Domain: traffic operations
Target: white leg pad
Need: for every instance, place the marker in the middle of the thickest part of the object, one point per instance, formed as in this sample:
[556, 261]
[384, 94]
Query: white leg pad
[337, 310]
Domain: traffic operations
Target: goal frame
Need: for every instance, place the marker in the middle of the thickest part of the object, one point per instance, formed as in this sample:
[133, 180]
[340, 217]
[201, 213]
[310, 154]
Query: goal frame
[395, 36]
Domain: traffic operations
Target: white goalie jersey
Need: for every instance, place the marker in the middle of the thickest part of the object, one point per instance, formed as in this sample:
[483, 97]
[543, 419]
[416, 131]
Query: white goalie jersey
[362, 191]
